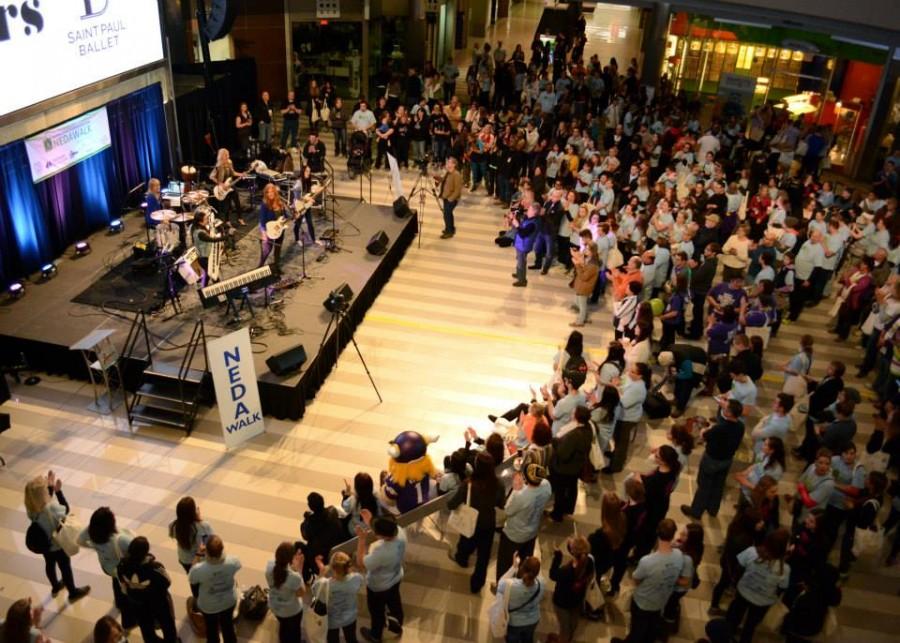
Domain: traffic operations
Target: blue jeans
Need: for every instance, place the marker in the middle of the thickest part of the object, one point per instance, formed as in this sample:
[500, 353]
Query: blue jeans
[449, 207]
[265, 133]
[479, 171]
[440, 147]
[520, 633]
[521, 265]
[545, 249]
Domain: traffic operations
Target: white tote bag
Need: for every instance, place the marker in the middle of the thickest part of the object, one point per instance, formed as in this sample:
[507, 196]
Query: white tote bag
[463, 519]
[315, 624]
[66, 535]
[498, 612]
[796, 386]
[594, 600]
[597, 459]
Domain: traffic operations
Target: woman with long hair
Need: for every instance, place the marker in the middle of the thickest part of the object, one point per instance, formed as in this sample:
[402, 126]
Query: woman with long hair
[603, 416]
[690, 542]
[271, 209]
[765, 504]
[740, 535]
[146, 583]
[608, 540]
[47, 508]
[343, 585]
[23, 623]
[614, 364]
[103, 536]
[362, 496]
[765, 573]
[525, 592]
[771, 463]
[190, 533]
[572, 580]
[483, 492]
[222, 174]
[286, 586]
[303, 187]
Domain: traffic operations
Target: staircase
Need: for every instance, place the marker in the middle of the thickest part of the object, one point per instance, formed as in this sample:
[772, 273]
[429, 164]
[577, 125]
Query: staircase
[167, 393]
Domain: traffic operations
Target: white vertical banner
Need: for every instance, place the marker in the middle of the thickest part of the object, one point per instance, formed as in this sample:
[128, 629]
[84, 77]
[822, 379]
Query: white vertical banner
[237, 393]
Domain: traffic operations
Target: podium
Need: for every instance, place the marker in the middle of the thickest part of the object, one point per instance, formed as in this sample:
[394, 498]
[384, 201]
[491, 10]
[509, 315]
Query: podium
[102, 359]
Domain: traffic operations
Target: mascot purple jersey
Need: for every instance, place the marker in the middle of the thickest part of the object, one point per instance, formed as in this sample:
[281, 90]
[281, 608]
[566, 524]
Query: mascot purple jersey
[410, 470]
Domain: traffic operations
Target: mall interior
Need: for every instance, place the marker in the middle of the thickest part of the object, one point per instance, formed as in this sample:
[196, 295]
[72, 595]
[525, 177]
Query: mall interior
[421, 330]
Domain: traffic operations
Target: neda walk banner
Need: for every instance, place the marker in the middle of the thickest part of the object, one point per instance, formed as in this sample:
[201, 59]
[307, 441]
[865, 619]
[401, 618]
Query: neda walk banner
[237, 394]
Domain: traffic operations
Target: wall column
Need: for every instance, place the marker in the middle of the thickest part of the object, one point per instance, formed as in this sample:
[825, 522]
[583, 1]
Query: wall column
[656, 26]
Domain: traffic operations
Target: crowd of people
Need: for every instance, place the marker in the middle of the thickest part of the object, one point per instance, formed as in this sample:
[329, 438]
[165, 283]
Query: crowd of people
[712, 232]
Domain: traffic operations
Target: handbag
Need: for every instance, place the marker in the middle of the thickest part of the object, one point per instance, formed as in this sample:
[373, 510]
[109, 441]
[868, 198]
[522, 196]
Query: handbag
[195, 616]
[324, 112]
[598, 461]
[594, 600]
[66, 535]
[315, 619]
[877, 461]
[796, 386]
[775, 617]
[255, 603]
[498, 612]
[464, 518]
[614, 259]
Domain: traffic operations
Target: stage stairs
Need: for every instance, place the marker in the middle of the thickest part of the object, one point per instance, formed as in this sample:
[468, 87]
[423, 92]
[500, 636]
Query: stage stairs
[164, 391]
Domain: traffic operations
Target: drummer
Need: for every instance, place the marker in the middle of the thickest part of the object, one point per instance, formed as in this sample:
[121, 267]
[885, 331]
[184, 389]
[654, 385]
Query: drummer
[153, 199]
[168, 235]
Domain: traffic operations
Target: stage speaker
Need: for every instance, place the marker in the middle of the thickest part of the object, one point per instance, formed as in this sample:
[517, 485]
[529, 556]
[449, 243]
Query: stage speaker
[220, 18]
[401, 207]
[339, 298]
[4, 422]
[379, 243]
[287, 361]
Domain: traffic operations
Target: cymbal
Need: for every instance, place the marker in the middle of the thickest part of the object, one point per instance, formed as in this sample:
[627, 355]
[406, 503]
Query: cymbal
[163, 215]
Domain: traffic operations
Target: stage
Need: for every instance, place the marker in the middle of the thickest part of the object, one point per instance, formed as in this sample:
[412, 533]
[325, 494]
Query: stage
[46, 321]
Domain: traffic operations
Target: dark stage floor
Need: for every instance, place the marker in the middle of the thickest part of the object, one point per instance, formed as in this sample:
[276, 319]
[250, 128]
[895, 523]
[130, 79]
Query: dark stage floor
[47, 320]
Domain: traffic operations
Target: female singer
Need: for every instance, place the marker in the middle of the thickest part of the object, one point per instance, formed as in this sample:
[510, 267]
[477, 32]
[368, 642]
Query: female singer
[243, 122]
[302, 187]
[153, 199]
[204, 238]
[271, 209]
[223, 171]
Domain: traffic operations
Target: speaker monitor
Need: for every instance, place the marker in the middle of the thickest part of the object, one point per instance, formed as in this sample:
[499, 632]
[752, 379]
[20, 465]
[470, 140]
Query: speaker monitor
[4, 422]
[379, 243]
[401, 207]
[338, 298]
[220, 19]
[287, 361]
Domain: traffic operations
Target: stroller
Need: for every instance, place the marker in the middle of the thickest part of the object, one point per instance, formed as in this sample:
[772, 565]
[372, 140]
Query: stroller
[359, 160]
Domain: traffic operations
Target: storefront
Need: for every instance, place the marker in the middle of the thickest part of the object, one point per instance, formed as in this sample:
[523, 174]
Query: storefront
[822, 79]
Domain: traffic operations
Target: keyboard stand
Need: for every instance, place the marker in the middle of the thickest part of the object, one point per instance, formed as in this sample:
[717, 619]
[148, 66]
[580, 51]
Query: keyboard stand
[242, 295]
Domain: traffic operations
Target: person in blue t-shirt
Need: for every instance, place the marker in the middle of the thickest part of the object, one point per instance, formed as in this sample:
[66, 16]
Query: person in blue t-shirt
[383, 567]
[342, 587]
[657, 575]
[285, 589]
[216, 596]
[525, 592]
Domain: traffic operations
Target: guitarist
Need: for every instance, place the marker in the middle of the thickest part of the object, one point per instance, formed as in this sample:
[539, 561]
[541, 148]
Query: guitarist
[223, 172]
[302, 187]
[271, 209]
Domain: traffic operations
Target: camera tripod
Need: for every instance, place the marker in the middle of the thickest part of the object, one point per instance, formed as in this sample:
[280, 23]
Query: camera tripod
[422, 188]
[338, 317]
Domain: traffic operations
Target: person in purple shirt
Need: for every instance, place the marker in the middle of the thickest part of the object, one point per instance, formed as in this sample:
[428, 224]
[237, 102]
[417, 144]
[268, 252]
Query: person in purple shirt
[728, 293]
[720, 332]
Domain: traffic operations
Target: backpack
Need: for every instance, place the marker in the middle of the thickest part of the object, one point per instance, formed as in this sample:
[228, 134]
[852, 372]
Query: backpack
[576, 370]
[36, 539]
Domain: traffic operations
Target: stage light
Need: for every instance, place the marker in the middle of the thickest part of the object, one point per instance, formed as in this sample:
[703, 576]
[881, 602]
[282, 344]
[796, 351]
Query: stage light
[116, 226]
[48, 271]
[82, 248]
[16, 290]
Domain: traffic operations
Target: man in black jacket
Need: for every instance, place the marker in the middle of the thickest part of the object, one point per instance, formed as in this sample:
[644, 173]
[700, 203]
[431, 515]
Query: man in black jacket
[825, 394]
[321, 529]
[702, 275]
[722, 441]
[570, 454]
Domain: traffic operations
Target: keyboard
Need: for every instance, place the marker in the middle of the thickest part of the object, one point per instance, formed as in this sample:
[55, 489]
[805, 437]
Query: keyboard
[257, 278]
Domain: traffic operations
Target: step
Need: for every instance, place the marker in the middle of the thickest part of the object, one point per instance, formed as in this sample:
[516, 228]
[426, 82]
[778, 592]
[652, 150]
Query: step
[155, 415]
[168, 389]
[168, 371]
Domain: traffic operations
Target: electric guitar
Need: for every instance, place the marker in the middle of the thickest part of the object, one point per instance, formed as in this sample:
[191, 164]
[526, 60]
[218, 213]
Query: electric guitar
[274, 229]
[223, 190]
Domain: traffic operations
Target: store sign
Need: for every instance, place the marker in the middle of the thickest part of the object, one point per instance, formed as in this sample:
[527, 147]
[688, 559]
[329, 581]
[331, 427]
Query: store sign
[50, 47]
[63, 146]
[737, 88]
[237, 391]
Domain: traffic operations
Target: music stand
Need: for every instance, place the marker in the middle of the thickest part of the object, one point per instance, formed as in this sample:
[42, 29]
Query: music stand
[100, 356]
